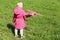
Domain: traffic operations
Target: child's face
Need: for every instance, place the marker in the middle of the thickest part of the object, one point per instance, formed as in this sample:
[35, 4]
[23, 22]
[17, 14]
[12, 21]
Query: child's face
[20, 4]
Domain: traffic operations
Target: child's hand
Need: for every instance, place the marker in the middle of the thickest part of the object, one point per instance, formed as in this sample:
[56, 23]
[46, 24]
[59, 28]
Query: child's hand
[34, 13]
[39, 14]
[31, 12]
[13, 20]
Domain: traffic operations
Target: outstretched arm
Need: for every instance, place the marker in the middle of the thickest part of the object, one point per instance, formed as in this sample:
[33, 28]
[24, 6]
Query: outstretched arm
[32, 13]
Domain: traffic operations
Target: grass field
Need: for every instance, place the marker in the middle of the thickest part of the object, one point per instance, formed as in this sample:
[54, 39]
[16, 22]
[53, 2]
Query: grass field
[46, 27]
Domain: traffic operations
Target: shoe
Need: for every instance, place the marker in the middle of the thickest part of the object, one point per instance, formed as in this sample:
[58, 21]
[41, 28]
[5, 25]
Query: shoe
[22, 37]
[16, 36]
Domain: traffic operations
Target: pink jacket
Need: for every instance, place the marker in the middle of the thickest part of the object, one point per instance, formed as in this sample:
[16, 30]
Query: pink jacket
[19, 15]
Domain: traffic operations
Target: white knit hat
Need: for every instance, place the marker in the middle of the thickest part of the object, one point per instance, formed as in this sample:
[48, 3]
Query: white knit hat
[20, 4]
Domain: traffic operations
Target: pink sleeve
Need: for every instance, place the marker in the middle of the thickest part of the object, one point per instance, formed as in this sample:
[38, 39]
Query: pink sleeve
[31, 12]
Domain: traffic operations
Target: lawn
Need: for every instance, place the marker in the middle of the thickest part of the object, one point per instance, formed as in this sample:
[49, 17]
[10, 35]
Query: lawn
[46, 27]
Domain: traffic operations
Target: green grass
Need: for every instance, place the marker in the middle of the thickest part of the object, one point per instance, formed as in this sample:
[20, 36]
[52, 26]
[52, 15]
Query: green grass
[46, 27]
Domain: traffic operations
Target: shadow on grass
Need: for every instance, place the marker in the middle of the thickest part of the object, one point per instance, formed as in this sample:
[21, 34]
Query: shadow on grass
[10, 26]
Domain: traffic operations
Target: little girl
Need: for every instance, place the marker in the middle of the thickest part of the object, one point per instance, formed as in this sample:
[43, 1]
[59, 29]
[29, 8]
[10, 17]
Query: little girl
[19, 16]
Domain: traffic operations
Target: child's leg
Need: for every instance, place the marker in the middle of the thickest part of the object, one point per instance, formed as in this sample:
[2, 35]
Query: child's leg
[16, 32]
[21, 32]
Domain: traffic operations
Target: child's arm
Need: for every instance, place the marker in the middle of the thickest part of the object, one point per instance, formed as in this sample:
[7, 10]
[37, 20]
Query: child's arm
[14, 18]
[32, 13]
